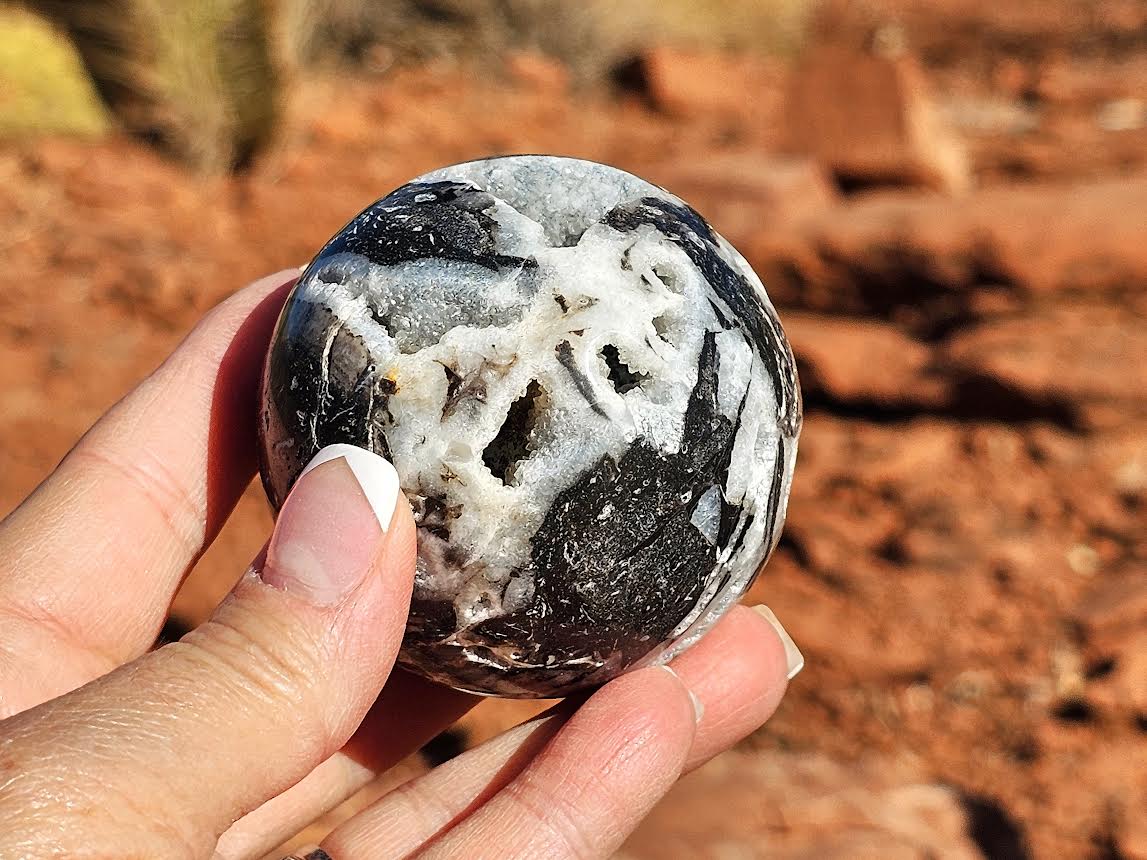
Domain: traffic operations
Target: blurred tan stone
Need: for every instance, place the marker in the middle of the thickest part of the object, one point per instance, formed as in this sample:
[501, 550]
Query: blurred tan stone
[538, 72]
[871, 121]
[785, 806]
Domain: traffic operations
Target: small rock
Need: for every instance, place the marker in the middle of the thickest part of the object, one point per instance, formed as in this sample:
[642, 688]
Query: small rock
[692, 83]
[1122, 114]
[1083, 559]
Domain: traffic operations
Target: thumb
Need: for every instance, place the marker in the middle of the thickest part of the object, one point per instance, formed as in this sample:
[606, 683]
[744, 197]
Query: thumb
[159, 757]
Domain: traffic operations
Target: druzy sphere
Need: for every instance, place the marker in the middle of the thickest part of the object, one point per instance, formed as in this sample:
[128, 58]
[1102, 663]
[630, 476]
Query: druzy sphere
[587, 396]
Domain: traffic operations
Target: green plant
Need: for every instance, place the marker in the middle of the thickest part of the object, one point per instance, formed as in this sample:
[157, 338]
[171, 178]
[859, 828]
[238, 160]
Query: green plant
[43, 85]
[196, 78]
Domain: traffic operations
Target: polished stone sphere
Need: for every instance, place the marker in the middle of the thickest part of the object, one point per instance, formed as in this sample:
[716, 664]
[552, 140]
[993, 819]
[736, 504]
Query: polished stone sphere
[587, 396]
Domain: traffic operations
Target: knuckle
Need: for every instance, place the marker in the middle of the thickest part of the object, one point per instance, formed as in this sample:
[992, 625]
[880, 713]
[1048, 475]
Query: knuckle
[181, 515]
[552, 820]
[265, 665]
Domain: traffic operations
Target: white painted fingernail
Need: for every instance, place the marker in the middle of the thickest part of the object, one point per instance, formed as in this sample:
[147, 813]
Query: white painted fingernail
[376, 477]
[698, 706]
[328, 532]
[793, 654]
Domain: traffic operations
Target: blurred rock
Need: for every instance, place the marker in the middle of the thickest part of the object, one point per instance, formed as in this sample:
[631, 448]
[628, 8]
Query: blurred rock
[1122, 114]
[538, 72]
[786, 806]
[1131, 673]
[1083, 356]
[863, 362]
[927, 256]
[870, 120]
[691, 83]
[1002, 116]
[737, 187]
[1131, 839]
[1114, 604]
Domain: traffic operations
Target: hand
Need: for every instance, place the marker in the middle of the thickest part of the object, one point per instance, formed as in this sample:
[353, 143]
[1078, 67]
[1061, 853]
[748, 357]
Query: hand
[228, 742]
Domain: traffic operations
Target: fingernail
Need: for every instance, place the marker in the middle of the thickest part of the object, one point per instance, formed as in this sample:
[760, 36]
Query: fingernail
[328, 530]
[375, 476]
[792, 653]
[698, 706]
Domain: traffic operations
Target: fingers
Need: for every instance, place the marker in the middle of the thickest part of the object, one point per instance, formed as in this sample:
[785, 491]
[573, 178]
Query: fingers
[159, 757]
[424, 808]
[586, 789]
[409, 713]
[737, 672]
[95, 554]
[740, 672]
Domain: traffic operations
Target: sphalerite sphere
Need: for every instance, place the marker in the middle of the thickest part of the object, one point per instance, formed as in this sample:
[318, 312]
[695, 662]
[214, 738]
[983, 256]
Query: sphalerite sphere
[587, 396]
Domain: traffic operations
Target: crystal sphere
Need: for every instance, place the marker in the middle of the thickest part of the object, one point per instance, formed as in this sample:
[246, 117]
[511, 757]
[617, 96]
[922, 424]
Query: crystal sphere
[587, 396]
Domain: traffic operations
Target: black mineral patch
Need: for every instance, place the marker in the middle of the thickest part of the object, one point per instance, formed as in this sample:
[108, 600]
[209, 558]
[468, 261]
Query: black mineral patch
[512, 444]
[441, 220]
[616, 563]
[322, 389]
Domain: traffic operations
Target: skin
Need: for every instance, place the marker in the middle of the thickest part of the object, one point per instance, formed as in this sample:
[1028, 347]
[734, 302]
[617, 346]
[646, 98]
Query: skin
[285, 702]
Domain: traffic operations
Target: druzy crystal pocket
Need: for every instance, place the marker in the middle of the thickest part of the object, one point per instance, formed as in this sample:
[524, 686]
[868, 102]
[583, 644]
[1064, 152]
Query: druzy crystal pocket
[588, 398]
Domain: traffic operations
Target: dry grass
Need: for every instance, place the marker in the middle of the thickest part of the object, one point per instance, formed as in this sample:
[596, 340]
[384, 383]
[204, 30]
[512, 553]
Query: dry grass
[768, 26]
[349, 31]
[589, 36]
[204, 79]
[43, 85]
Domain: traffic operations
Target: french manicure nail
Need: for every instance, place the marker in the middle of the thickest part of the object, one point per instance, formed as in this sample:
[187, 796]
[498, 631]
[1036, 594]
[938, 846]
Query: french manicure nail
[376, 477]
[793, 654]
[698, 705]
[327, 533]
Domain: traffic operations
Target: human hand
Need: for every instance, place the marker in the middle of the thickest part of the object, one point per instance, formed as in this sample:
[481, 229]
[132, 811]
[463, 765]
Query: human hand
[231, 740]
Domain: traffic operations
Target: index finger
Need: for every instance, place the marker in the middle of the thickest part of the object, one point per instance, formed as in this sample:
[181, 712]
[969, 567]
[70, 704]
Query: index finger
[95, 554]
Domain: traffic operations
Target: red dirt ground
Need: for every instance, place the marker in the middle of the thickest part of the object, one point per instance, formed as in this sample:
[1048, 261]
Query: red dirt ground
[965, 565]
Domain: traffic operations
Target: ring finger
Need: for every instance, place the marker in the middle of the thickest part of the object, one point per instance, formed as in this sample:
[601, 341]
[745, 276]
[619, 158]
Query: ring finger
[576, 776]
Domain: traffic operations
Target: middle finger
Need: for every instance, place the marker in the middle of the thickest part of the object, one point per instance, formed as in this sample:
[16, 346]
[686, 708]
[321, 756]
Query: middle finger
[738, 672]
[95, 554]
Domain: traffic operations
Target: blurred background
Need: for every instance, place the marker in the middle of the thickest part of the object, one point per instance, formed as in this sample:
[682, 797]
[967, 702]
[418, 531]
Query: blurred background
[948, 202]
